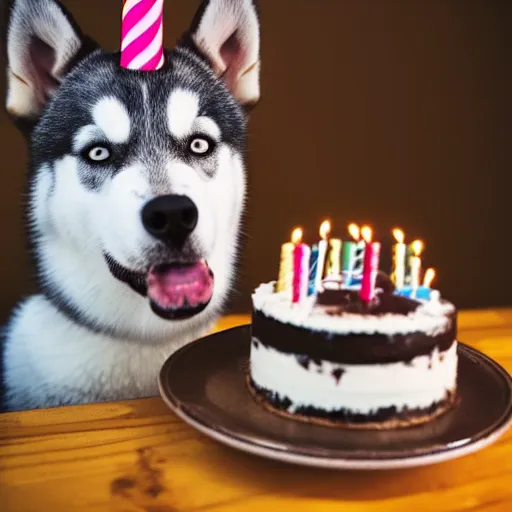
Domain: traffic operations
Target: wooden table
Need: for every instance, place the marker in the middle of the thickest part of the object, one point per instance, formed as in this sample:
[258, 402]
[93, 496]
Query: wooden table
[137, 456]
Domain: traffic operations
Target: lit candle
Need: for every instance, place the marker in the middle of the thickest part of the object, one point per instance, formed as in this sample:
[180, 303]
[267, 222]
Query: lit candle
[430, 275]
[417, 248]
[370, 266]
[399, 253]
[350, 251]
[334, 257]
[301, 253]
[366, 236]
[313, 262]
[284, 281]
[409, 255]
[325, 229]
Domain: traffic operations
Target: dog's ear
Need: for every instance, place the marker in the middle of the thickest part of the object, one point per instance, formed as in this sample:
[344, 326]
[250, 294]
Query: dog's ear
[43, 44]
[227, 33]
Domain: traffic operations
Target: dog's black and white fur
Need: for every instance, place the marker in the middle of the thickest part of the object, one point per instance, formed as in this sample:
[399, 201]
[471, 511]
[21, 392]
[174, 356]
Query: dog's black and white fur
[104, 141]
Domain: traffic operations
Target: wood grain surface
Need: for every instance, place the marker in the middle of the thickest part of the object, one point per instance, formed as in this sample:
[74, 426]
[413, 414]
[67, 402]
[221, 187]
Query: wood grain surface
[137, 456]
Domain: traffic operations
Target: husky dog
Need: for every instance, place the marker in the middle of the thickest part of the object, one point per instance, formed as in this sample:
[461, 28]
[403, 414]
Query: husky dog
[135, 193]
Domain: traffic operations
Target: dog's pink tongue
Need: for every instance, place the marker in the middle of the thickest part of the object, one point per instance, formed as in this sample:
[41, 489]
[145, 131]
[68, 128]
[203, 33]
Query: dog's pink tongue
[174, 287]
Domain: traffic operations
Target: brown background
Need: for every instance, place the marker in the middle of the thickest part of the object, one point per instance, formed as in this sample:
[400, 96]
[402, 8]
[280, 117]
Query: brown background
[390, 112]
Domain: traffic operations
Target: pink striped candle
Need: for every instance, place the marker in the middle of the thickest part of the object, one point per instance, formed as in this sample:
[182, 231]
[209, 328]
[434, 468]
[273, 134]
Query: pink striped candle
[370, 269]
[142, 35]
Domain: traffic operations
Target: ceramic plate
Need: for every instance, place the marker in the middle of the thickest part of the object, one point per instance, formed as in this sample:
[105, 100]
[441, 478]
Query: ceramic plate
[204, 384]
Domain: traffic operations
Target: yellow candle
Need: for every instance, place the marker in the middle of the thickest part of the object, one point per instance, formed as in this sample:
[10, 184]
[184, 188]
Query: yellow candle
[430, 275]
[399, 255]
[284, 281]
[334, 260]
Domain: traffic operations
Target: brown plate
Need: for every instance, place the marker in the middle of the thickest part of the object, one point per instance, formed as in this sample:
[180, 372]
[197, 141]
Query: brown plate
[204, 384]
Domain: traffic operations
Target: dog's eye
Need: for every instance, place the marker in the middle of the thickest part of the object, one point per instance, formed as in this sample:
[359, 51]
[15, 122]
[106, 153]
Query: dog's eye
[201, 146]
[98, 154]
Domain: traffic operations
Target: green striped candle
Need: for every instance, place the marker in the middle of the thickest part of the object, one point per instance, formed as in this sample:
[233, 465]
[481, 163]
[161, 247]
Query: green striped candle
[348, 260]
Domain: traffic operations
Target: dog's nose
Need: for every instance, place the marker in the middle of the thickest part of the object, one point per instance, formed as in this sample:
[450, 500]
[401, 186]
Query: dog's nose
[170, 218]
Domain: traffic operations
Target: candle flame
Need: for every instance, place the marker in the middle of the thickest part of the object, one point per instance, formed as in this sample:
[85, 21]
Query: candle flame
[297, 236]
[399, 235]
[366, 234]
[430, 275]
[417, 247]
[325, 229]
[354, 231]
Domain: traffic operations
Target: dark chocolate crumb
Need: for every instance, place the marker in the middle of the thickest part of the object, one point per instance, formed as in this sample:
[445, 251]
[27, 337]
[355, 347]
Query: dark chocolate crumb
[303, 361]
[337, 374]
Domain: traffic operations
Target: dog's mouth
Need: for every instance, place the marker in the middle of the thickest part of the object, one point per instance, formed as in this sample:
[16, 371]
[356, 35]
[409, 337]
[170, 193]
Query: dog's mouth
[178, 291]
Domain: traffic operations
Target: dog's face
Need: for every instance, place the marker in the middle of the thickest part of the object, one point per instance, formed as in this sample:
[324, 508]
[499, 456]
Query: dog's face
[144, 168]
[149, 168]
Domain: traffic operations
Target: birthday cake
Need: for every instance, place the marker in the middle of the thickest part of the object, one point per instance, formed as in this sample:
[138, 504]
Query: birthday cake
[352, 352]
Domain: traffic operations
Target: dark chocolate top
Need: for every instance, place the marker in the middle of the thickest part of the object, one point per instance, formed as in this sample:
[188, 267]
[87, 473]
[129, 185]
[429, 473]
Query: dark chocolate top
[349, 301]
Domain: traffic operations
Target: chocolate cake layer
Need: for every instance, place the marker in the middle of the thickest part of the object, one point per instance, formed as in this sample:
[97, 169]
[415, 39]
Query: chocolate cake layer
[349, 348]
[381, 415]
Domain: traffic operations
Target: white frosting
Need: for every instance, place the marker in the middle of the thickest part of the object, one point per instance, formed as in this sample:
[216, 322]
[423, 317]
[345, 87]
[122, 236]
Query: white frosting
[430, 317]
[361, 388]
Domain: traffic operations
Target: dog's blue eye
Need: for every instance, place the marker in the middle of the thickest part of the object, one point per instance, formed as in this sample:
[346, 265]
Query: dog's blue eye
[200, 146]
[98, 154]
